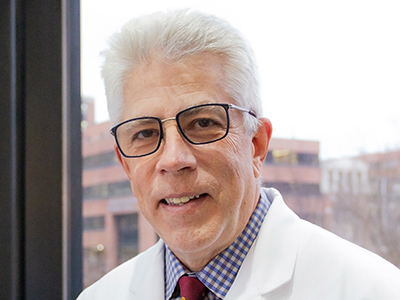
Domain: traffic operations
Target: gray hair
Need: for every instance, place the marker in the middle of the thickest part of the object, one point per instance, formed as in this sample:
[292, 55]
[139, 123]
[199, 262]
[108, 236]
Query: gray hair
[174, 36]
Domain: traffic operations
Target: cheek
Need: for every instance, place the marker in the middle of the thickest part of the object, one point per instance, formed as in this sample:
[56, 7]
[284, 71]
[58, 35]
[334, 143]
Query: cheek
[141, 170]
[239, 154]
[138, 194]
[140, 183]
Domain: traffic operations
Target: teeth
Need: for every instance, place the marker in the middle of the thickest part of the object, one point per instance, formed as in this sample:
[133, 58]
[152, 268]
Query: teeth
[180, 201]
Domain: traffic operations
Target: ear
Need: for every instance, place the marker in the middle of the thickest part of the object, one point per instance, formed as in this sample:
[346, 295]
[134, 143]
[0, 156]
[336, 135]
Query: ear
[260, 145]
[123, 162]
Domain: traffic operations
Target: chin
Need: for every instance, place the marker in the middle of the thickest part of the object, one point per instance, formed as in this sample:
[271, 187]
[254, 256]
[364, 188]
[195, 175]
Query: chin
[190, 242]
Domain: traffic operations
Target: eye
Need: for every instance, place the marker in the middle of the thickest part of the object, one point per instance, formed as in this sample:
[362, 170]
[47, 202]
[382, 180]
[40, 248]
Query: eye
[145, 134]
[203, 123]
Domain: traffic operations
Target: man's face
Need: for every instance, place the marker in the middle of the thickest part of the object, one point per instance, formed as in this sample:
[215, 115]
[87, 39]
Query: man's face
[220, 177]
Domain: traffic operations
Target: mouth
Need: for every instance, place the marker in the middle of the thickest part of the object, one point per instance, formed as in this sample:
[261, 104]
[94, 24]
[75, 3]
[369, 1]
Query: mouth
[181, 201]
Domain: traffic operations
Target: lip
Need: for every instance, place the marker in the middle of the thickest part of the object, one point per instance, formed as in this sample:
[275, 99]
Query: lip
[182, 200]
[191, 205]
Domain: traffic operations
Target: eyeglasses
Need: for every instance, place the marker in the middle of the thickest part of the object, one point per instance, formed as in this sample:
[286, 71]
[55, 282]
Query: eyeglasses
[201, 124]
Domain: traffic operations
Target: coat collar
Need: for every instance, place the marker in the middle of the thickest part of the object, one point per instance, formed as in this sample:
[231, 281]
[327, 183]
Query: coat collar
[276, 252]
[149, 283]
[271, 261]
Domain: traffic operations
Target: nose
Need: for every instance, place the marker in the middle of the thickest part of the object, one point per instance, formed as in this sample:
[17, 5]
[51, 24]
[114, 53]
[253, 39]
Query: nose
[175, 152]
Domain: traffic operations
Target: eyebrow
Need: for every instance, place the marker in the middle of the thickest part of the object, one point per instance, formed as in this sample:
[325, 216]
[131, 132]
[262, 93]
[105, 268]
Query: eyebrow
[141, 121]
[190, 106]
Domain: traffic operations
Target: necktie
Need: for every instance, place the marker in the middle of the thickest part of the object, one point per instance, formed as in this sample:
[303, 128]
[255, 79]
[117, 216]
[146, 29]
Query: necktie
[192, 288]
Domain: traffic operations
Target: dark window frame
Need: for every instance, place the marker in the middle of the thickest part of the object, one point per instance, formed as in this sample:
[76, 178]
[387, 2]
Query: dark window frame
[40, 152]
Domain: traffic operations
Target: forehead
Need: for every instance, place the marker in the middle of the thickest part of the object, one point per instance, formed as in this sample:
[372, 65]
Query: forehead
[162, 89]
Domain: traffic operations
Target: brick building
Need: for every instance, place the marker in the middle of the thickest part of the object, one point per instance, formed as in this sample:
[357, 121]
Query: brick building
[293, 167]
[364, 195]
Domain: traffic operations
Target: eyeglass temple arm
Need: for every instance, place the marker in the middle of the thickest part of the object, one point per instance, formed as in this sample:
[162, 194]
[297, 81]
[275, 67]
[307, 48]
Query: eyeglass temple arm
[243, 109]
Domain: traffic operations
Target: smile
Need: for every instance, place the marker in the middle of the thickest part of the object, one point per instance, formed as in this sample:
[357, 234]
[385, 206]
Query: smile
[182, 200]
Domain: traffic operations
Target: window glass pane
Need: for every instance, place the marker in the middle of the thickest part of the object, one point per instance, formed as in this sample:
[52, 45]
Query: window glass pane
[114, 230]
[127, 230]
[93, 223]
[331, 91]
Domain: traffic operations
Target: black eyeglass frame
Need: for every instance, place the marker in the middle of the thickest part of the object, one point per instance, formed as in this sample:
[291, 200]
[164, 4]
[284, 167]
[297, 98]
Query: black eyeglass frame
[226, 106]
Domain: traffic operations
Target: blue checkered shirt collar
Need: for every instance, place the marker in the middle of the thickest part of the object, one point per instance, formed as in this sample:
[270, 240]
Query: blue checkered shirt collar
[220, 273]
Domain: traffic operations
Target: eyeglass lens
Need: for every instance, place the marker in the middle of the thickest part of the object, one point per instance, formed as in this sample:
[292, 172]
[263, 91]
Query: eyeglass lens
[199, 125]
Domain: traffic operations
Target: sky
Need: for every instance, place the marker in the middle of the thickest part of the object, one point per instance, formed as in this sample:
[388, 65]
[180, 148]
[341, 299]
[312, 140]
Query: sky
[330, 70]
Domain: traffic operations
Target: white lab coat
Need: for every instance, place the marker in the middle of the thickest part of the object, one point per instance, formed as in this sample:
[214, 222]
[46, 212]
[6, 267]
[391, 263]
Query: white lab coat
[290, 259]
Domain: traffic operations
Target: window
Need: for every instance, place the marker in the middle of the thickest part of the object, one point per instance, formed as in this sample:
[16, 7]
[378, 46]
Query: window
[107, 190]
[308, 159]
[286, 157]
[100, 160]
[295, 189]
[40, 150]
[94, 264]
[127, 231]
[93, 223]
[321, 95]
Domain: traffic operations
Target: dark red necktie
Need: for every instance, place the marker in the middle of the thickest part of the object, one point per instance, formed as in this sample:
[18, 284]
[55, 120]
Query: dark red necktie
[192, 288]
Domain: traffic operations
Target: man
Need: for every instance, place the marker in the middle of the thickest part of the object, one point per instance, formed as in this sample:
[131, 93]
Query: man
[183, 97]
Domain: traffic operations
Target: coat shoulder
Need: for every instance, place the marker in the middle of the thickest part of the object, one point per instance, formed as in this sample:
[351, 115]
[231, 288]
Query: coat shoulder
[116, 284]
[348, 265]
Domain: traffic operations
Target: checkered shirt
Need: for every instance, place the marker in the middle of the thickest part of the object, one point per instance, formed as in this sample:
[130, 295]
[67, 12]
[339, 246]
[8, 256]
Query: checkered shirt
[220, 273]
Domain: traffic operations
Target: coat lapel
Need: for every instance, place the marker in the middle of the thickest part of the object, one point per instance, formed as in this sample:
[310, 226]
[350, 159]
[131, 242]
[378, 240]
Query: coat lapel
[270, 262]
[276, 253]
[148, 280]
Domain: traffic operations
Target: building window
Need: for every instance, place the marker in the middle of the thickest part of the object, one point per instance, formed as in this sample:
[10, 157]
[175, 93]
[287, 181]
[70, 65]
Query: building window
[308, 159]
[286, 157]
[128, 236]
[94, 264]
[100, 160]
[93, 223]
[295, 189]
[107, 190]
